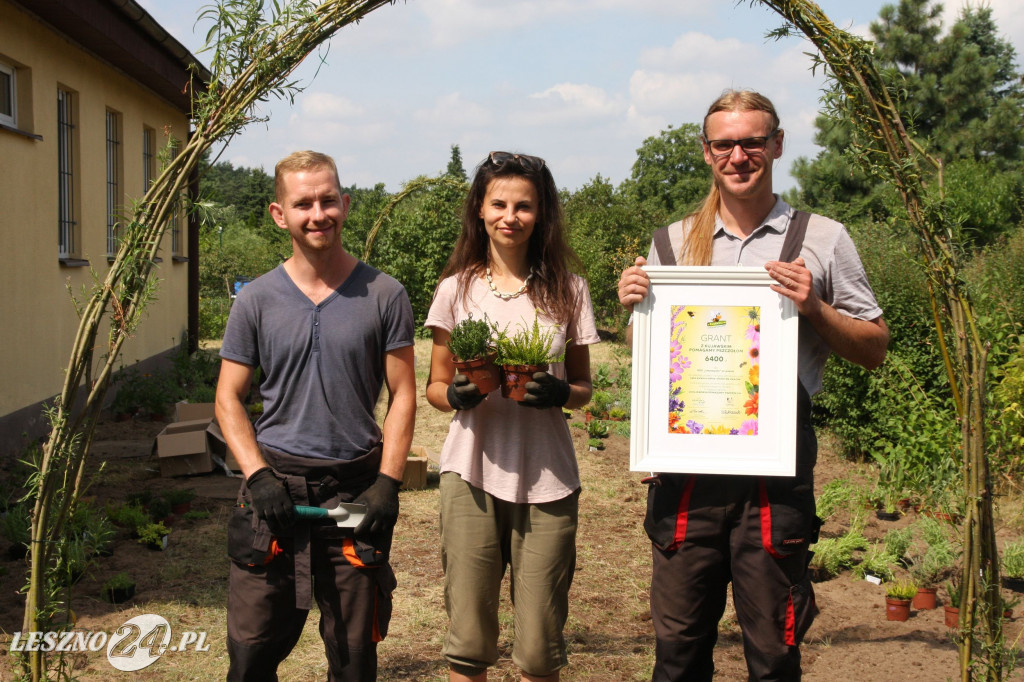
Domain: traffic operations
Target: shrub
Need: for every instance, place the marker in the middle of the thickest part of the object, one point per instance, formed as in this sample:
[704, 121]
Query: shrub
[152, 534]
[832, 555]
[597, 429]
[1013, 559]
[901, 589]
[834, 496]
[528, 346]
[471, 339]
[897, 542]
[876, 562]
[129, 516]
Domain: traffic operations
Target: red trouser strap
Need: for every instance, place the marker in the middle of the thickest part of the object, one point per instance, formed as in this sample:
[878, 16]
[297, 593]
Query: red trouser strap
[682, 515]
[790, 635]
[766, 520]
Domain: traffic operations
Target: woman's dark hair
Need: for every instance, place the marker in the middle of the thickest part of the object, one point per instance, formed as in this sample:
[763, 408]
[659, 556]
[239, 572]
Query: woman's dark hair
[549, 253]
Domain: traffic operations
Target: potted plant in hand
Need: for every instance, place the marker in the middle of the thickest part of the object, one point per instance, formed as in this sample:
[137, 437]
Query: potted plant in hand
[897, 599]
[472, 345]
[522, 354]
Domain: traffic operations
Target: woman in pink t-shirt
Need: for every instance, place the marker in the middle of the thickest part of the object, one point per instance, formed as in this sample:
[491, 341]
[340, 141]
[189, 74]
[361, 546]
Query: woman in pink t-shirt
[509, 480]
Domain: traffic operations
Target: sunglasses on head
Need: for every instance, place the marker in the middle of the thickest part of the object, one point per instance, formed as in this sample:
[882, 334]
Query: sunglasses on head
[527, 162]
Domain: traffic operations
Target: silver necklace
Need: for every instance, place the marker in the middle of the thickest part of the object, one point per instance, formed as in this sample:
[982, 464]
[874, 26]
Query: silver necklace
[504, 296]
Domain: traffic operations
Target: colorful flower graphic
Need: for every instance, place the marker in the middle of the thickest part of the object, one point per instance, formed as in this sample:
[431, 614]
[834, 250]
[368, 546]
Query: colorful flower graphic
[749, 428]
[751, 405]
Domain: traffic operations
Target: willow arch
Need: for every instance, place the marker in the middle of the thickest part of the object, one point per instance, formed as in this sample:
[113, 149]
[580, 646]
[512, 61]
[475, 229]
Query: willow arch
[253, 58]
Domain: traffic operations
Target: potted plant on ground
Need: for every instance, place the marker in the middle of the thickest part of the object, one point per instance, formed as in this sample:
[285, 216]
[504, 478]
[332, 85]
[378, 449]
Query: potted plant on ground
[131, 517]
[180, 500]
[952, 607]
[1013, 566]
[119, 588]
[927, 569]
[897, 599]
[522, 354]
[472, 344]
[154, 535]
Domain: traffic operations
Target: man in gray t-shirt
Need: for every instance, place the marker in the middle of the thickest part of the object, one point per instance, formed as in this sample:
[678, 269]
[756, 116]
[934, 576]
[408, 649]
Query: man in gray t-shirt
[710, 530]
[328, 332]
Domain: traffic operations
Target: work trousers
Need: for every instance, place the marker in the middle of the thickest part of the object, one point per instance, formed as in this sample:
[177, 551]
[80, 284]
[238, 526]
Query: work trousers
[708, 530]
[269, 591]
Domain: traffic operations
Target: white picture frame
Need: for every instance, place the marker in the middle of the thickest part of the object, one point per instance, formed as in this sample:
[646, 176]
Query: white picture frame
[691, 370]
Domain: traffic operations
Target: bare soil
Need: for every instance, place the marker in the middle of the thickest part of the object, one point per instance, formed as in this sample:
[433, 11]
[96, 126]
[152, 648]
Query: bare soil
[609, 632]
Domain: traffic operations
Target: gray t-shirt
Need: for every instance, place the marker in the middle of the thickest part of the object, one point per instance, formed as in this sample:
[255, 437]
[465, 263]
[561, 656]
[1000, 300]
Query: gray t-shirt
[828, 252]
[323, 365]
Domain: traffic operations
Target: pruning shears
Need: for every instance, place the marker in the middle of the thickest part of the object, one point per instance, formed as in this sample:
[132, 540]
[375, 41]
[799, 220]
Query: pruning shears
[346, 514]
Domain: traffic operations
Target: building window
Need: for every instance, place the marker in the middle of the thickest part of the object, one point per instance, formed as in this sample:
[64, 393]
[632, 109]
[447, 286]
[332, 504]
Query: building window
[176, 213]
[66, 166]
[8, 95]
[114, 165]
[148, 158]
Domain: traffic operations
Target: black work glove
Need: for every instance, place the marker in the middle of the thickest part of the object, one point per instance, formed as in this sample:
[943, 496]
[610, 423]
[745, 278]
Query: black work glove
[381, 500]
[545, 390]
[463, 395]
[270, 500]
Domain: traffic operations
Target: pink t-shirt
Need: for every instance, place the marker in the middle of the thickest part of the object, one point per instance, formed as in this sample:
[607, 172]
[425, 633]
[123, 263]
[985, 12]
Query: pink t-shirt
[515, 453]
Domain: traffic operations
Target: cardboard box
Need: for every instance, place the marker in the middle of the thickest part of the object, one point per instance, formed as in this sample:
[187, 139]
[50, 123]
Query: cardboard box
[415, 477]
[183, 448]
[220, 446]
[185, 411]
[420, 451]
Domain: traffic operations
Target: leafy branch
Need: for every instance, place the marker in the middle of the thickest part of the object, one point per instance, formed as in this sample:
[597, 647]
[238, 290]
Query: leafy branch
[867, 96]
[254, 53]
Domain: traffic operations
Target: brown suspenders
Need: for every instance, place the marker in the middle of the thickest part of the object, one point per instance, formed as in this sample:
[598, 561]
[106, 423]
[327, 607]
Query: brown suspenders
[790, 246]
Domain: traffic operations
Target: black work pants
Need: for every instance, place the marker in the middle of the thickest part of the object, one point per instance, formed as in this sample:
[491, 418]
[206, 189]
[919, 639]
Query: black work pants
[271, 580]
[708, 531]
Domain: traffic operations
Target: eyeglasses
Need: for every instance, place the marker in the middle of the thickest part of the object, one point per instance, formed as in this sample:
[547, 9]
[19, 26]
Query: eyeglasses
[530, 163]
[750, 145]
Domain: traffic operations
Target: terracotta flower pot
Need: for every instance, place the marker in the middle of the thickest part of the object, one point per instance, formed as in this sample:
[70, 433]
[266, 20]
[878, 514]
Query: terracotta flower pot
[924, 600]
[480, 371]
[515, 377]
[952, 616]
[897, 609]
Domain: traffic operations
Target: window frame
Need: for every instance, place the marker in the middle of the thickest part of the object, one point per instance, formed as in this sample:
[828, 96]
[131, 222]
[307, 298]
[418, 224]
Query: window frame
[67, 174]
[115, 179]
[12, 92]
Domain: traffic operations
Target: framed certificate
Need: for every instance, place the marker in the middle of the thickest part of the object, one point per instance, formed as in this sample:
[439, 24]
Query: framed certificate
[714, 374]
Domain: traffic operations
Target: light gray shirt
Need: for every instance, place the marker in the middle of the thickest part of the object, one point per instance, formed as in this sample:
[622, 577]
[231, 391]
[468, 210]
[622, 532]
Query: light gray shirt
[828, 252]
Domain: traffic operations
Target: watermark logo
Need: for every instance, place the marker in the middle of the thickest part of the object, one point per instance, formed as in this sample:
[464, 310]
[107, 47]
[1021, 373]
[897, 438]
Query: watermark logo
[133, 646]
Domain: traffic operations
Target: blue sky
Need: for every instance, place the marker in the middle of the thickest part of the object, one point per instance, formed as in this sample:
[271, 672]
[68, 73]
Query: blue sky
[580, 82]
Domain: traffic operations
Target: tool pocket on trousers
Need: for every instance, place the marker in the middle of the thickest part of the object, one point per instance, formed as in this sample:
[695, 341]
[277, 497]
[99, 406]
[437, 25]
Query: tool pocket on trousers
[788, 523]
[248, 538]
[668, 504]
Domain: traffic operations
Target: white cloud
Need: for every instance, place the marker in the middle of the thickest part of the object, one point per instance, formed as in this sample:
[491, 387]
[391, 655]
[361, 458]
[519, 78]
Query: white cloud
[451, 111]
[328, 106]
[568, 103]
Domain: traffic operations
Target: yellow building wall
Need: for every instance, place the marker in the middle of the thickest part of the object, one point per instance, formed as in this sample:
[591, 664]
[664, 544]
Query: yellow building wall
[38, 322]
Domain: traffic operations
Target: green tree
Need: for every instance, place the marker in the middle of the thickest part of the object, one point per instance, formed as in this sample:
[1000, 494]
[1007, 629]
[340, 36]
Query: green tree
[960, 95]
[670, 174]
[607, 229]
[419, 227]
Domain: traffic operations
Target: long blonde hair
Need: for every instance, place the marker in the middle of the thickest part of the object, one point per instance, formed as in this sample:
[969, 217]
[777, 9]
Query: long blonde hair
[698, 242]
